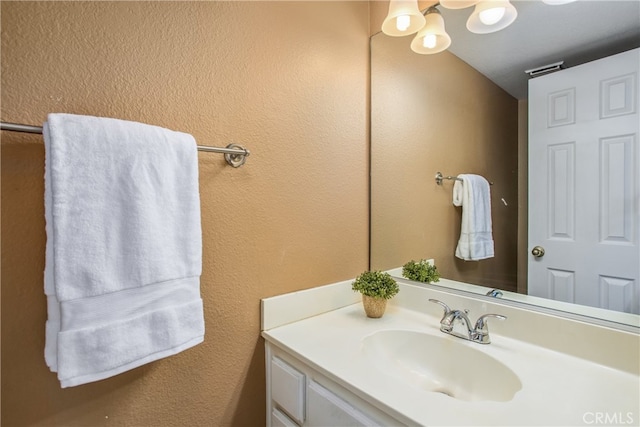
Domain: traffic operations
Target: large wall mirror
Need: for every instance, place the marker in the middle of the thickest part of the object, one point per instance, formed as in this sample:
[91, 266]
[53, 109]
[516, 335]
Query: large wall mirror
[465, 110]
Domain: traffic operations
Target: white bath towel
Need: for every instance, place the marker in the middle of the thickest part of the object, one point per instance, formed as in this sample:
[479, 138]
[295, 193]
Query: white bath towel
[476, 237]
[124, 246]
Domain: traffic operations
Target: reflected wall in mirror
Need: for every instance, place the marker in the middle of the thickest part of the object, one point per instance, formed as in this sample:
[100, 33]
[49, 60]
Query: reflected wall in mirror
[433, 113]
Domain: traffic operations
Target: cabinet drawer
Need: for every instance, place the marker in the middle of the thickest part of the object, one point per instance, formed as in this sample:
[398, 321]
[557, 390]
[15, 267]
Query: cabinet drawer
[287, 389]
[280, 419]
[324, 408]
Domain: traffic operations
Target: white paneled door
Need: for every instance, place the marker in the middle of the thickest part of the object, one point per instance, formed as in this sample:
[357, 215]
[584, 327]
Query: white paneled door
[584, 184]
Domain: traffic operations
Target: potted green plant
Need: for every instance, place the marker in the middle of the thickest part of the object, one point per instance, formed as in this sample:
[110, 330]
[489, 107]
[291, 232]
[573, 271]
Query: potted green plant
[376, 288]
[420, 271]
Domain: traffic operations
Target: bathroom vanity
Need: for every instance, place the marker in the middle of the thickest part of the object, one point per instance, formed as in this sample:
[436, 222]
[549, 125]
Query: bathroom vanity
[327, 364]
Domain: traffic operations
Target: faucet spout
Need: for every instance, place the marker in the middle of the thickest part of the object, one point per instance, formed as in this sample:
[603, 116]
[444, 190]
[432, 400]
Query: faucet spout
[453, 318]
[478, 333]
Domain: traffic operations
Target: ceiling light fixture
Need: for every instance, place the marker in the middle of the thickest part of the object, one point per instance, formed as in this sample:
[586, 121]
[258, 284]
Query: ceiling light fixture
[432, 38]
[404, 18]
[490, 16]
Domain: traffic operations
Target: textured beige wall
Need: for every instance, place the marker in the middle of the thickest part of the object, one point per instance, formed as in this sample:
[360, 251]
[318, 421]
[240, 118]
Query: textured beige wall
[288, 80]
[433, 113]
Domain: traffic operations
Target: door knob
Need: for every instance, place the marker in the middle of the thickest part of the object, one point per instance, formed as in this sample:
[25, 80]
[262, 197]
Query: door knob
[537, 251]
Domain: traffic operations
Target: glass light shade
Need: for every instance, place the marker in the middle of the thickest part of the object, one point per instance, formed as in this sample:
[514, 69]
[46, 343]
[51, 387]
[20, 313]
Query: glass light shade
[403, 22]
[399, 8]
[491, 16]
[458, 4]
[434, 32]
[476, 25]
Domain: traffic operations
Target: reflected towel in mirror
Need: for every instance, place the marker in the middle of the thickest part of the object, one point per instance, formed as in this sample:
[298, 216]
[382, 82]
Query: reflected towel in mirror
[472, 193]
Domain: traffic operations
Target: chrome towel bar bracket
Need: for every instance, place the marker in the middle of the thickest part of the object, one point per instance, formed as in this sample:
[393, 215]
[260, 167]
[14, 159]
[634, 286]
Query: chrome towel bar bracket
[440, 177]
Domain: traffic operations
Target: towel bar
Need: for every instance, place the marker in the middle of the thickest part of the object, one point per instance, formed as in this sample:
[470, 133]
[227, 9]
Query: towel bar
[234, 154]
[440, 177]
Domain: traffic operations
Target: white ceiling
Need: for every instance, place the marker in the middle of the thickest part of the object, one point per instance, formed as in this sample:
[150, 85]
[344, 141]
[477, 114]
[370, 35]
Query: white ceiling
[575, 33]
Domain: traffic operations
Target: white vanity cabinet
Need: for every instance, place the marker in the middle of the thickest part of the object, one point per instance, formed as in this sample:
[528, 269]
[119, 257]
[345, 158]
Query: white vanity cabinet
[298, 395]
[322, 371]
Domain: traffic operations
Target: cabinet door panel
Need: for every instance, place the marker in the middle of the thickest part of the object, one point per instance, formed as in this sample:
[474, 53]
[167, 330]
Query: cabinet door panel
[287, 388]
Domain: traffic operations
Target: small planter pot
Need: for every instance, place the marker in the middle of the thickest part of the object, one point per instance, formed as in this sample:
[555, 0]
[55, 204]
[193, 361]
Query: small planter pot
[374, 307]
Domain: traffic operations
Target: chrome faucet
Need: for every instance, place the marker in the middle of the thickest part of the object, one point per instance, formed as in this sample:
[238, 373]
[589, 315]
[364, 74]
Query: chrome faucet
[494, 293]
[479, 333]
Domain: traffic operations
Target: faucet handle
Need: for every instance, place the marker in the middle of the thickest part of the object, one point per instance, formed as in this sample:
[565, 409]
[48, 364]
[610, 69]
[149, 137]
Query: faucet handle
[446, 308]
[481, 332]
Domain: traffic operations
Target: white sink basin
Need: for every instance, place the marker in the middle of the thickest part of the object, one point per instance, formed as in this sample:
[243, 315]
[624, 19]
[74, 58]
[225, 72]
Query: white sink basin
[441, 364]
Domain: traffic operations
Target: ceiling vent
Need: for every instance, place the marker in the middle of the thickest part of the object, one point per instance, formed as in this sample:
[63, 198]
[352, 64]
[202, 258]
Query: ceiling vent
[545, 69]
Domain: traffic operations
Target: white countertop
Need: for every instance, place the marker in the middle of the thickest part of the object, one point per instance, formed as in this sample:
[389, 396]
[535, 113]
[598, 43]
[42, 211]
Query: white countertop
[557, 389]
